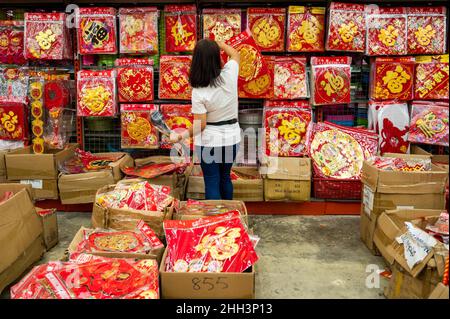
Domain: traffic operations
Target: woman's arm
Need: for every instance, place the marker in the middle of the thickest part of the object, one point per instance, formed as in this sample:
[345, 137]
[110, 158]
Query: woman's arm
[175, 137]
[230, 51]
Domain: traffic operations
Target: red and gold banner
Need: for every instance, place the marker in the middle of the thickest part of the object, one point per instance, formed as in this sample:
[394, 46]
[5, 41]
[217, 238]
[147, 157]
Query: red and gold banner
[427, 29]
[221, 24]
[306, 29]
[13, 121]
[174, 77]
[431, 81]
[386, 31]
[96, 93]
[137, 130]
[331, 78]
[290, 80]
[36, 97]
[12, 42]
[267, 26]
[346, 27]
[178, 118]
[97, 31]
[181, 27]
[134, 80]
[138, 30]
[262, 87]
[392, 79]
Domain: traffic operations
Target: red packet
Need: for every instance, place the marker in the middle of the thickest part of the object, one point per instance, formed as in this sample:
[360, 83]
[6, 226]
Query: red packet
[392, 79]
[97, 31]
[346, 27]
[210, 244]
[330, 80]
[286, 125]
[290, 80]
[267, 26]
[11, 42]
[178, 118]
[174, 77]
[262, 86]
[137, 130]
[306, 29]
[431, 80]
[13, 121]
[386, 31]
[134, 80]
[181, 27]
[429, 123]
[338, 152]
[138, 30]
[14, 84]
[427, 30]
[221, 24]
[46, 36]
[96, 93]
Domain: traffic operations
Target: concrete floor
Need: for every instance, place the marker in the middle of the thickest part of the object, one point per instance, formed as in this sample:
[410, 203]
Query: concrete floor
[300, 256]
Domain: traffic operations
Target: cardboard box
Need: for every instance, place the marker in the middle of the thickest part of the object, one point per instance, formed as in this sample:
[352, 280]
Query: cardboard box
[440, 292]
[206, 285]
[286, 178]
[127, 219]
[49, 222]
[22, 164]
[178, 182]
[440, 160]
[81, 188]
[2, 166]
[41, 188]
[247, 190]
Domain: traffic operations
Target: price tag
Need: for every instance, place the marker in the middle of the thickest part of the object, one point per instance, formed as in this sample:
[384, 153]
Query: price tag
[35, 183]
[368, 199]
[209, 283]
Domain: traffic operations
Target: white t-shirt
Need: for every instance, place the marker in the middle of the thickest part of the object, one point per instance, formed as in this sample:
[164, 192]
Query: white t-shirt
[220, 104]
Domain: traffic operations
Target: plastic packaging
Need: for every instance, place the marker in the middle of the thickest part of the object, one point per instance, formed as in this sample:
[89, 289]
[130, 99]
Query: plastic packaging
[431, 78]
[13, 121]
[267, 26]
[179, 118]
[137, 130]
[174, 77]
[134, 80]
[221, 24]
[401, 164]
[14, 85]
[306, 29]
[262, 87]
[181, 27]
[155, 169]
[12, 42]
[290, 78]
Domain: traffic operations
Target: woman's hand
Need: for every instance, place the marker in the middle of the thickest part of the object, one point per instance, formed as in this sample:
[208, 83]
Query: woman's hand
[175, 137]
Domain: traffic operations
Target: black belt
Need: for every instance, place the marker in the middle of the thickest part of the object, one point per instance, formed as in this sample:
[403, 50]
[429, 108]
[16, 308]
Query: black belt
[233, 121]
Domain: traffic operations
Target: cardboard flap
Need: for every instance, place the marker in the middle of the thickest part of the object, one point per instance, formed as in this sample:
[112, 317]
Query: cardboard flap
[440, 292]
[287, 168]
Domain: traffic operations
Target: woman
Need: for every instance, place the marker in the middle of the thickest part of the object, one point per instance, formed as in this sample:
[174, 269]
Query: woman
[216, 129]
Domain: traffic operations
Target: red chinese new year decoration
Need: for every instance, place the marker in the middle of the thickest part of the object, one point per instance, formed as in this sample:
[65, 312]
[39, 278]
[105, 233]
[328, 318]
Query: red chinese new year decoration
[174, 77]
[14, 84]
[96, 93]
[11, 42]
[178, 118]
[432, 78]
[137, 129]
[181, 27]
[427, 30]
[97, 31]
[392, 79]
[267, 26]
[221, 24]
[153, 170]
[134, 80]
[290, 81]
[13, 121]
[306, 29]
[138, 30]
[211, 244]
[346, 27]
[330, 80]
[401, 164]
[386, 31]
[262, 87]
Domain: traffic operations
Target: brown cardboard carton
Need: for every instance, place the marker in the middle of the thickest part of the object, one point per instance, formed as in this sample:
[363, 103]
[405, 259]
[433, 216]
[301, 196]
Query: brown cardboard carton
[154, 254]
[247, 190]
[206, 285]
[22, 164]
[2, 166]
[440, 160]
[287, 190]
[49, 222]
[42, 188]
[81, 188]
[127, 219]
[440, 292]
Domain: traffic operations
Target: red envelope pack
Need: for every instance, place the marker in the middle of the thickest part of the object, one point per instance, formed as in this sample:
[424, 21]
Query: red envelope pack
[97, 31]
[286, 127]
[137, 130]
[429, 123]
[181, 27]
[153, 170]
[14, 85]
[330, 80]
[262, 87]
[13, 121]
[134, 80]
[138, 30]
[46, 36]
[290, 78]
[267, 26]
[427, 30]
[12, 42]
[96, 93]
[178, 118]
[346, 27]
[431, 80]
[211, 244]
[174, 77]
[306, 29]
[386, 31]
[221, 24]
[338, 152]
[392, 79]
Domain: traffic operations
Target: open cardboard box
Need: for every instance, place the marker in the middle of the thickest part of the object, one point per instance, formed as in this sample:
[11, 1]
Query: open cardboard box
[3, 166]
[206, 285]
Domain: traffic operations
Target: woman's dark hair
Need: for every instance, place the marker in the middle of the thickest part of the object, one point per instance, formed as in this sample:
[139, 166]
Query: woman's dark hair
[206, 65]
